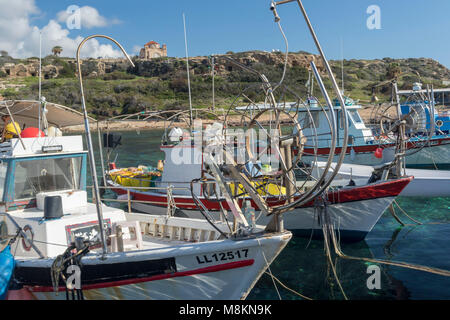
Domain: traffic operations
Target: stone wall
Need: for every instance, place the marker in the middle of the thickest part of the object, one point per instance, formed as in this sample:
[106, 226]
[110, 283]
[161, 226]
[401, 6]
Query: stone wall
[13, 70]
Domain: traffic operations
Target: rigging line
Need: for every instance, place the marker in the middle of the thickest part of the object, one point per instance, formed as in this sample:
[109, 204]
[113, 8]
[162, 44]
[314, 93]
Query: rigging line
[392, 210]
[268, 268]
[287, 288]
[286, 56]
[188, 74]
[392, 263]
[404, 212]
[417, 222]
[328, 232]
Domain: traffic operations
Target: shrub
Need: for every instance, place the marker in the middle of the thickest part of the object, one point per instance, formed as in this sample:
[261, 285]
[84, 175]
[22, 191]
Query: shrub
[118, 75]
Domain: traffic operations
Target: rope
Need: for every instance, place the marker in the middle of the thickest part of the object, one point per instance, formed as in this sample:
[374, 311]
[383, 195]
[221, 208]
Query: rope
[270, 271]
[404, 212]
[328, 232]
[392, 210]
[287, 288]
[286, 56]
[392, 263]
[59, 265]
[171, 205]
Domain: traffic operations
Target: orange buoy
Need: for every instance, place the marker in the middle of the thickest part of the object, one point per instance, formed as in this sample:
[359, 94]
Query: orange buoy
[379, 153]
[32, 133]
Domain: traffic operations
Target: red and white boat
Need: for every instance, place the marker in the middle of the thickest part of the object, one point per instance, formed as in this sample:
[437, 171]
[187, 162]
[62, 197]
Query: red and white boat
[354, 209]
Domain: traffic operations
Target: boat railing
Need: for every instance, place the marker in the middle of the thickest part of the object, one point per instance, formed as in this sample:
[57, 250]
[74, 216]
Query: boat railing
[169, 189]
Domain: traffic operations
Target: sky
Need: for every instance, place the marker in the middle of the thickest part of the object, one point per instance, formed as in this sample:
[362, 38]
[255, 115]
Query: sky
[408, 28]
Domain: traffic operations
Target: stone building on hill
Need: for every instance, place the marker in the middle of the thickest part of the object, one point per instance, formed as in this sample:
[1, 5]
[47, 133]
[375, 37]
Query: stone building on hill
[153, 50]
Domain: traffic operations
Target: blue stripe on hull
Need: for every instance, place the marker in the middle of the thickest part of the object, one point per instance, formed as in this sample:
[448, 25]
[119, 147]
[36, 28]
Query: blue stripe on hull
[344, 235]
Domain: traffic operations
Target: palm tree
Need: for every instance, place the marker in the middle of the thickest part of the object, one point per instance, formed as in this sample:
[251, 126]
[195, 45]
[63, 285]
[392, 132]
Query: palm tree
[57, 50]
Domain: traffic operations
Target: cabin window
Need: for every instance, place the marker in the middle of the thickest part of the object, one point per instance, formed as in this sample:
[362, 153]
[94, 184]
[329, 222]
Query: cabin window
[3, 171]
[342, 121]
[46, 175]
[355, 116]
[311, 121]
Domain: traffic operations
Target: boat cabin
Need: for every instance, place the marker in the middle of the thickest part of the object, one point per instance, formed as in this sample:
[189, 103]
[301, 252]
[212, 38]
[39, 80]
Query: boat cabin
[43, 189]
[316, 122]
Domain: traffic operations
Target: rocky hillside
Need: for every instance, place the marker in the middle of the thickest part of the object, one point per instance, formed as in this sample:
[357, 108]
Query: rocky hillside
[114, 87]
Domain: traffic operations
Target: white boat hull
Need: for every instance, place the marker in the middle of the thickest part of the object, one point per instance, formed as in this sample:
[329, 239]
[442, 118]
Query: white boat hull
[433, 155]
[216, 270]
[354, 220]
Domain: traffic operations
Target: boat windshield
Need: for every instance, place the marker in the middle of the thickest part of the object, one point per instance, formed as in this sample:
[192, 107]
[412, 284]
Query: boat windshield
[355, 116]
[46, 175]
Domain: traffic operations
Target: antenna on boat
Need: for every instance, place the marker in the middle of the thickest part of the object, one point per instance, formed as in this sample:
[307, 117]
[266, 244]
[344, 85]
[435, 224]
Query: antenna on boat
[40, 80]
[342, 65]
[89, 138]
[213, 67]
[187, 67]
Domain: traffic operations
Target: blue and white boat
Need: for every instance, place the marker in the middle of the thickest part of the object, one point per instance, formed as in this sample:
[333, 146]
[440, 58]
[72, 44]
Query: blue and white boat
[364, 141]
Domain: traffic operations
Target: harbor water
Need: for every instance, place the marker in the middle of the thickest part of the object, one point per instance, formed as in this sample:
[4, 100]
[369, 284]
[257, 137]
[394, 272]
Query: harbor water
[303, 266]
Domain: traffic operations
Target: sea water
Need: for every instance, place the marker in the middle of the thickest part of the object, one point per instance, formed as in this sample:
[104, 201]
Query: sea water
[303, 265]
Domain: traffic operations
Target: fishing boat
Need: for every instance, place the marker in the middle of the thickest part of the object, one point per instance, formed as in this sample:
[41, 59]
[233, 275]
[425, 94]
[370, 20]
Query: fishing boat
[368, 148]
[64, 243]
[148, 257]
[421, 102]
[427, 183]
[168, 191]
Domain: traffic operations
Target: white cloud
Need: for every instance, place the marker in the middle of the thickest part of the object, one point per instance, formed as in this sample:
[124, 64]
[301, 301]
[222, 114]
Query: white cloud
[21, 39]
[136, 50]
[89, 16]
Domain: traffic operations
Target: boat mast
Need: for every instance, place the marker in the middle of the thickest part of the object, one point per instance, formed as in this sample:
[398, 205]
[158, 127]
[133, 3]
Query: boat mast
[213, 76]
[342, 65]
[188, 75]
[40, 80]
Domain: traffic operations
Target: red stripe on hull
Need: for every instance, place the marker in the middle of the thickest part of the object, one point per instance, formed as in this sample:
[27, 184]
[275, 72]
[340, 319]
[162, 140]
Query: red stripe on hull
[380, 190]
[374, 191]
[370, 148]
[216, 268]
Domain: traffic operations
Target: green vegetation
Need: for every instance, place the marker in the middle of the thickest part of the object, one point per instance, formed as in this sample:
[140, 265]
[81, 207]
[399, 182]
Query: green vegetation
[162, 83]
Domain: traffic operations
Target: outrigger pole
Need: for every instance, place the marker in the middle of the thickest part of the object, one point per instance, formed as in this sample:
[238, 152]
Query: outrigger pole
[89, 138]
[188, 74]
[329, 71]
